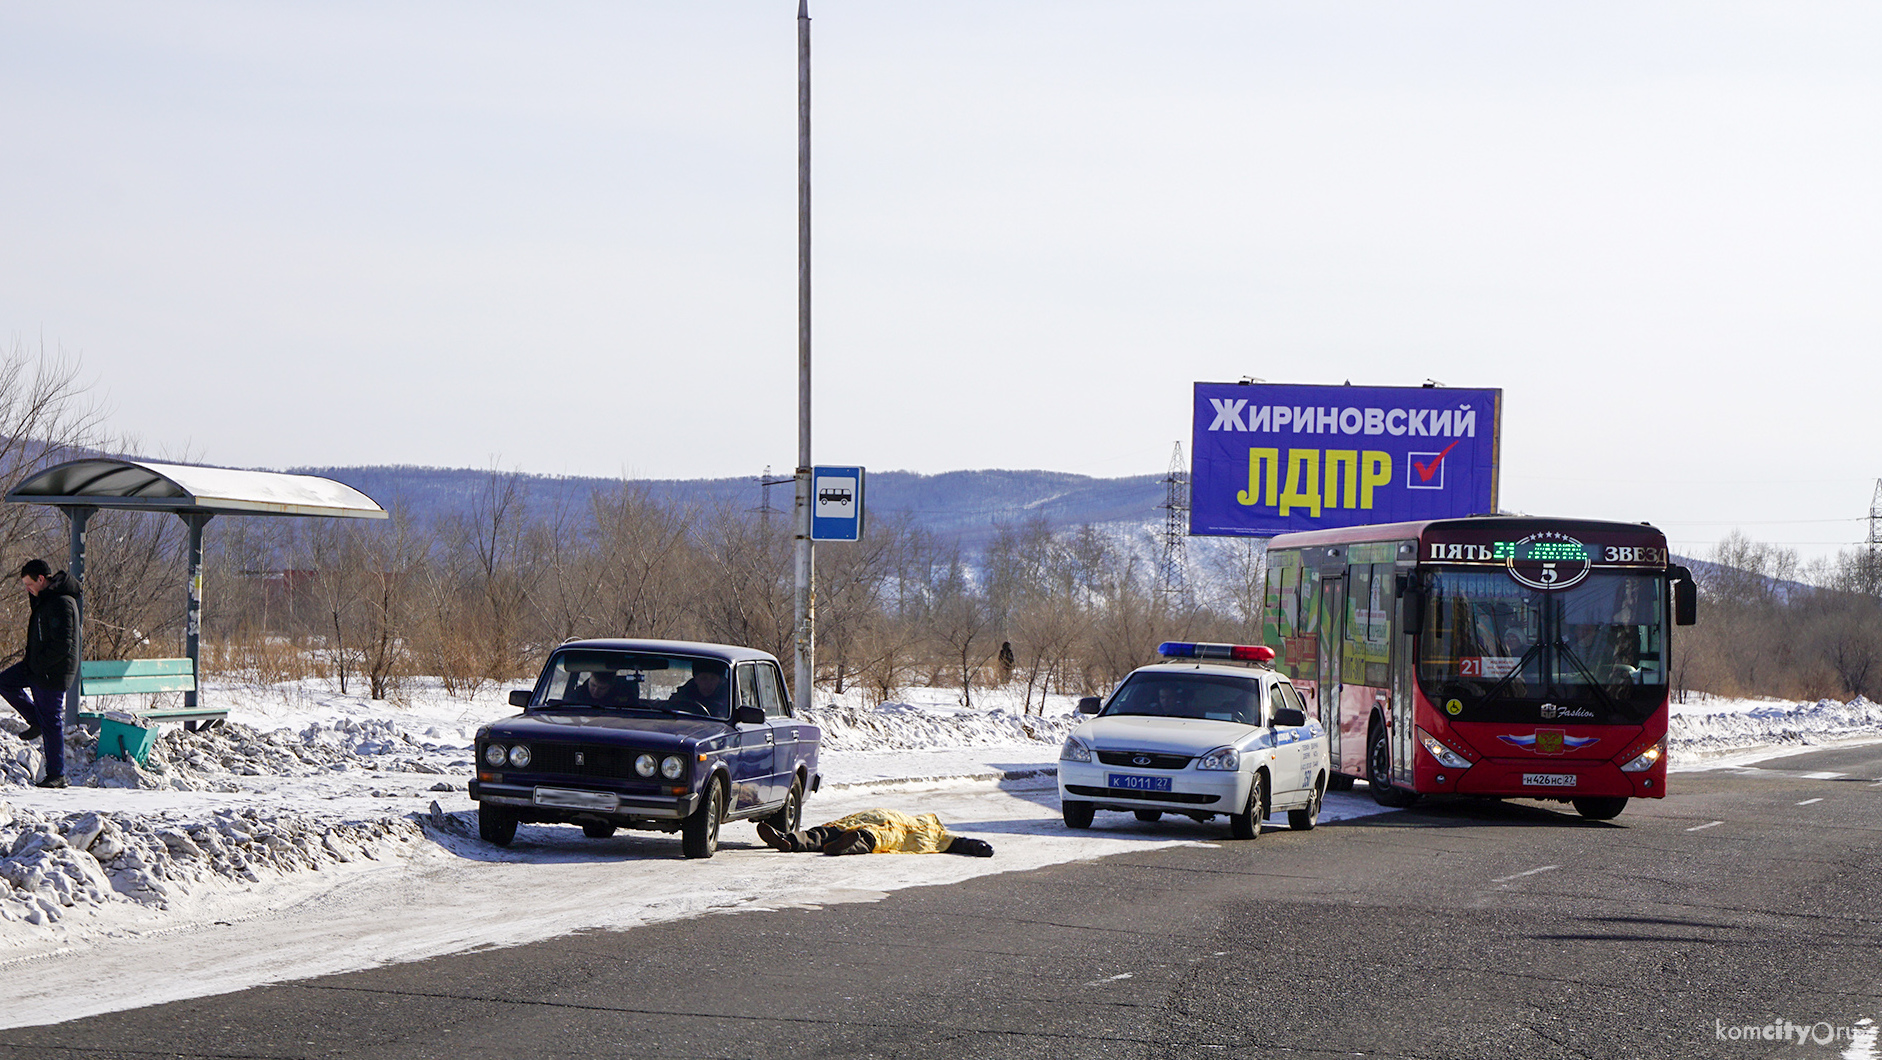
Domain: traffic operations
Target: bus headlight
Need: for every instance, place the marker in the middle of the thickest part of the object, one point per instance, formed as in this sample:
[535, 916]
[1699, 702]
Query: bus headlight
[1646, 759]
[1074, 750]
[1446, 757]
[1226, 758]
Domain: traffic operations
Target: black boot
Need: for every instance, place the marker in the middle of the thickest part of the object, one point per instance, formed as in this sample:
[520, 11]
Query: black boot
[31, 732]
[973, 848]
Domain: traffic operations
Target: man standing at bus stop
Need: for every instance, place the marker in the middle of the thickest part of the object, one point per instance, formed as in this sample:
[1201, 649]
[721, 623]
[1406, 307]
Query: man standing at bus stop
[35, 686]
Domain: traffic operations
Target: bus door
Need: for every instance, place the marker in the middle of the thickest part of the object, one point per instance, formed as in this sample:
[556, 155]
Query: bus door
[1332, 629]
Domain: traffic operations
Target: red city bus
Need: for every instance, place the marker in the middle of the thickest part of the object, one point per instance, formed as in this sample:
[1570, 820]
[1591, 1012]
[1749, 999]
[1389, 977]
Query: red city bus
[1491, 655]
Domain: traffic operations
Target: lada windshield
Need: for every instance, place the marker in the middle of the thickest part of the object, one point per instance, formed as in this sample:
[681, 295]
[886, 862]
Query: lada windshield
[1180, 695]
[1493, 649]
[621, 680]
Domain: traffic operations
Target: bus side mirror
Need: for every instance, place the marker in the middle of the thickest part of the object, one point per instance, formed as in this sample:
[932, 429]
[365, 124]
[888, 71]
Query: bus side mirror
[1088, 705]
[1685, 599]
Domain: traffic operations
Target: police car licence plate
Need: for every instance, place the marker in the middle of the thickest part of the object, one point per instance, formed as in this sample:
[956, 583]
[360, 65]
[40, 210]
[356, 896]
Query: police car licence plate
[1131, 783]
[1549, 780]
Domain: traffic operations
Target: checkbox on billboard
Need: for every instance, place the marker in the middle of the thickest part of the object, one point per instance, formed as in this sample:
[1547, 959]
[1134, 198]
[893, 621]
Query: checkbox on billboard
[1425, 471]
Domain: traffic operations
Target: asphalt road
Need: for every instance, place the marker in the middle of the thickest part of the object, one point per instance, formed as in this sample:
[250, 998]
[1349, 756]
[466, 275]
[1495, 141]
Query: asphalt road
[1747, 899]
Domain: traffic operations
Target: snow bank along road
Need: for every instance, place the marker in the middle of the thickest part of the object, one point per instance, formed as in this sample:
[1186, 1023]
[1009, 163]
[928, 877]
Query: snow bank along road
[341, 839]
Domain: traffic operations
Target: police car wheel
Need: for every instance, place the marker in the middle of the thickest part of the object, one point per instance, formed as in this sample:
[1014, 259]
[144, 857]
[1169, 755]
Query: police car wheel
[1247, 824]
[1304, 820]
[1148, 816]
[1077, 814]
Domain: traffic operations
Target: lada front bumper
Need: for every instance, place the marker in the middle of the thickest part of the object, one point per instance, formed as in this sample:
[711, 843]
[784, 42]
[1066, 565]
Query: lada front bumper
[637, 806]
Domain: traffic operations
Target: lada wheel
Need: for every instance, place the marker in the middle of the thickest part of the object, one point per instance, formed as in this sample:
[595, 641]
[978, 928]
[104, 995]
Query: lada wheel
[597, 829]
[1601, 807]
[495, 825]
[1148, 816]
[699, 835]
[790, 816]
[1077, 813]
[1247, 824]
[1304, 820]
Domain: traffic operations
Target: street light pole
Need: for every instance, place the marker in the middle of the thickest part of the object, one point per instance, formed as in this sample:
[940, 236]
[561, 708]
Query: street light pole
[804, 597]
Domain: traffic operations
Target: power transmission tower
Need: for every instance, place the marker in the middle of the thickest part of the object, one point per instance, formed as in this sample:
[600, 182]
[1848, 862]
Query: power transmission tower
[1171, 572]
[765, 510]
[1875, 520]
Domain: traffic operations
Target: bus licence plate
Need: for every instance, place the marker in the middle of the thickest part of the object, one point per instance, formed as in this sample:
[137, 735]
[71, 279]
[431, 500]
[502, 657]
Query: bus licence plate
[1549, 780]
[1130, 783]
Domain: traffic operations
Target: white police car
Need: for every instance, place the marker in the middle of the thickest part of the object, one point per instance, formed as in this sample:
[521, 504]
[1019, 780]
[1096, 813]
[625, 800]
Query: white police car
[1198, 738]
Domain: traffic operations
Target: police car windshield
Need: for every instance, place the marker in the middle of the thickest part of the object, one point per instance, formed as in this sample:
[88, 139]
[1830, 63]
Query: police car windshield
[1209, 697]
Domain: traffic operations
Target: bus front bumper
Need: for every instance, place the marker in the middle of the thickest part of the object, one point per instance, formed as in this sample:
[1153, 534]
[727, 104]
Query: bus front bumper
[1531, 778]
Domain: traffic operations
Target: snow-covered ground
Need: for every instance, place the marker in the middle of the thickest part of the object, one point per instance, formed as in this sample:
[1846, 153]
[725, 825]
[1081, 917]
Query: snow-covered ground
[318, 833]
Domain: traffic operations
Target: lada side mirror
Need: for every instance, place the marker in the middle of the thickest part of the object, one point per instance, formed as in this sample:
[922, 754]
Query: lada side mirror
[1288, 716]
[1089, 705]
[748, 715]
[519, 697]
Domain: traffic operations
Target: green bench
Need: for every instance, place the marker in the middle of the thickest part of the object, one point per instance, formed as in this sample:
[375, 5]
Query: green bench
[124, 677]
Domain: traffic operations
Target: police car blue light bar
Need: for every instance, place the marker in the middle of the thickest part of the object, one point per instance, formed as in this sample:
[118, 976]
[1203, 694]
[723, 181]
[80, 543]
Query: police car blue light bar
[1175, 649]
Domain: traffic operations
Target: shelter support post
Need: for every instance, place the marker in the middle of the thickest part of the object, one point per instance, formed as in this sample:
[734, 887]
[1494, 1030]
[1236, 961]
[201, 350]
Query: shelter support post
[76, 518]
[193, 618]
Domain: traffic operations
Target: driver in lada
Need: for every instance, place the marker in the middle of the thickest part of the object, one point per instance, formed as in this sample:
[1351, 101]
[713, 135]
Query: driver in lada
[705, 691]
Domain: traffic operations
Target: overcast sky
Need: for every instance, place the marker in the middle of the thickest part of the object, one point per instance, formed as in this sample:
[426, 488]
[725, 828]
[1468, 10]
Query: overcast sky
[562, 237]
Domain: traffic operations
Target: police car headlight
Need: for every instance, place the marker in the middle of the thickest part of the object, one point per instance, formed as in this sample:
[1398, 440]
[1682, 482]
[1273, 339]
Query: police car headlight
[495, 753]
[672, 766]
[1074, 750]
[519, 756]
[1446, 757]
[645, 765]
[1646, 760]
[1221, 758]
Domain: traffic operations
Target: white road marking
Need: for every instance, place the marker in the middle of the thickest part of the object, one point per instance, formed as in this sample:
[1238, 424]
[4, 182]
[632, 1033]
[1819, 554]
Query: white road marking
[1823, 776]
[1807, 802]
[1108, 979]
[1520, 875]
[1703, 827]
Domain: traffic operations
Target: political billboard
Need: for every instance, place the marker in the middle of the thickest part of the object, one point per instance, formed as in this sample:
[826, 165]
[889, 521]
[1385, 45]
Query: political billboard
[1269, 458]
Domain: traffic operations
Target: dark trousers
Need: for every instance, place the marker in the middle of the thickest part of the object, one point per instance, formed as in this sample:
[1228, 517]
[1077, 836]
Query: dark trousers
[40, 705]
[810, 839]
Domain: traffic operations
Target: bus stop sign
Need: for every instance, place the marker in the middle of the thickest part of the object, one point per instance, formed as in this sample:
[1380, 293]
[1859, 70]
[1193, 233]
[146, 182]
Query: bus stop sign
[836, 498]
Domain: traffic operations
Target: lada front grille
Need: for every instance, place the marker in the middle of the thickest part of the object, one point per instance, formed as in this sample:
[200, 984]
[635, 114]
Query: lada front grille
[1187, 798]
[583, 760]
[1143, 759]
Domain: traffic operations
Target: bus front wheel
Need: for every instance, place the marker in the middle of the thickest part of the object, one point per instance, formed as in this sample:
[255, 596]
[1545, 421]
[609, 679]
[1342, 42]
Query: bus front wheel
[1379, 769]
[1601, 807]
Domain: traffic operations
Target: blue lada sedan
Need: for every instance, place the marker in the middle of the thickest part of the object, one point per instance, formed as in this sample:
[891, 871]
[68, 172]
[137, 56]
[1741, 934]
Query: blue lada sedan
[672, 736]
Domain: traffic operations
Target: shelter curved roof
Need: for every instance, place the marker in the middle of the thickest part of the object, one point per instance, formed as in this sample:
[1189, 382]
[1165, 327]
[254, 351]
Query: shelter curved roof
[137, 485]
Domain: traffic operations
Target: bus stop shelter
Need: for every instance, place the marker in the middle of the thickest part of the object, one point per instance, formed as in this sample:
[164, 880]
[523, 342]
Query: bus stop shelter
[81, 488]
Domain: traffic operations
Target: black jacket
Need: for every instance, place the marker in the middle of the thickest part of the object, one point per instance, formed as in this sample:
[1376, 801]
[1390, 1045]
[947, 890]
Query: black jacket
[52, 633]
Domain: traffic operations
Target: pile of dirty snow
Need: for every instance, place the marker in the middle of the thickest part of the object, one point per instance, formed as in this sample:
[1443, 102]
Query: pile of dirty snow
[1737, 726]
[906, 727]
[57, 863]
[209, 759]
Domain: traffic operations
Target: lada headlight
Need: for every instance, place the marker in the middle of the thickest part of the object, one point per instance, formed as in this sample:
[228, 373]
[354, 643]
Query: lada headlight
[672, 766]
[494, 754]
[1446, 757]
[645, 765]
[1224, 758]
[1646, 760]
[519, 756]
[1075, 750]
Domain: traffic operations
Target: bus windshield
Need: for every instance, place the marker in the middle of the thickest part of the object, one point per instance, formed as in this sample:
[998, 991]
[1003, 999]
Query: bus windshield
[1493, 649]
